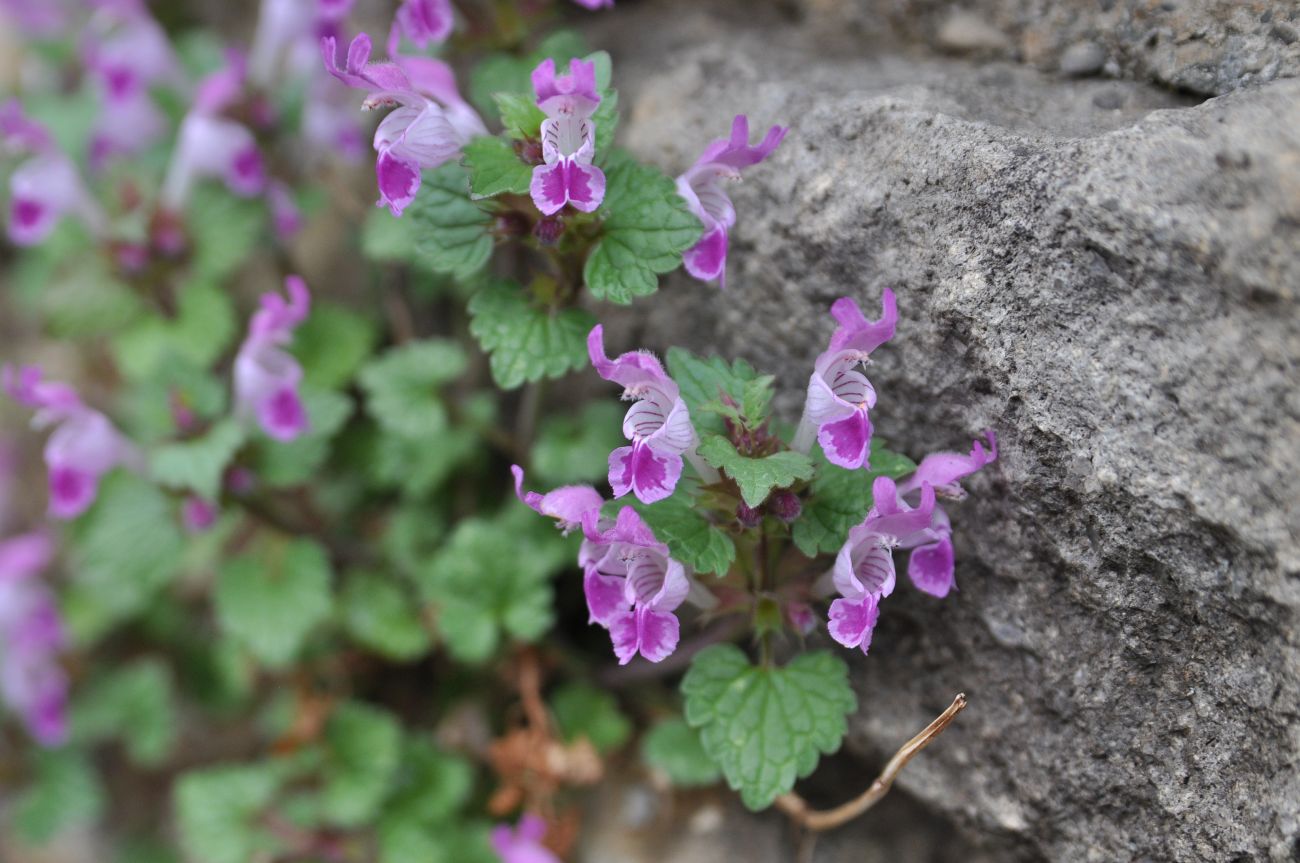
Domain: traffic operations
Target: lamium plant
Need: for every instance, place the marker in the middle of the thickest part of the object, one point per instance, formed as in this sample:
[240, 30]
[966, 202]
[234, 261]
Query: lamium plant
[294, 424]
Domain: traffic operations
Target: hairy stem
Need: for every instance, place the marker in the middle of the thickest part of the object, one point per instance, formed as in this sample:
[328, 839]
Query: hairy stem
[818, 820]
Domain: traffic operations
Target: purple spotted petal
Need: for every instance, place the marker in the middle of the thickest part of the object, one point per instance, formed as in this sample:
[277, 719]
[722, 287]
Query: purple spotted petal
[931, 568]
[605, 596]
[707, 259]
[573, 94]
[653, 634]
[548, 188]
[852, 621]
[399, 181]
[585, 185]
[640, 470]
[847, 442]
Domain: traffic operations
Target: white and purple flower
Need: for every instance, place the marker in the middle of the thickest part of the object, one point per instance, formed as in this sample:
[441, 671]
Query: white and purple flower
[126, 53]
[658, 424]
[32, 682]
[424, 22]
[864, 569]
[45, 188]
[703, 189]
[568, 139]
[567, 504]
[213, 146]
[632, 585]
[431, 122]
[266, 376]
[930, 566]
[83, 446]
[839, 395]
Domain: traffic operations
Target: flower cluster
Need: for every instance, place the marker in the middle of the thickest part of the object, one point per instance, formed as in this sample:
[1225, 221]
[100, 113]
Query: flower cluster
[45, 188]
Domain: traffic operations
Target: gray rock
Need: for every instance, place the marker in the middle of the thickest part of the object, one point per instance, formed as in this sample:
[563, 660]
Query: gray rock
[1115, 291]
[1083, 58]
[1207, 47]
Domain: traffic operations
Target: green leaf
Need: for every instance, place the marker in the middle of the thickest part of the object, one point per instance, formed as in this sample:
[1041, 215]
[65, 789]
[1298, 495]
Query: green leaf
[218, 812]
[606, 115]
[202, 330]
[223, 230]
[766, 726]
[452, 229]
[415, 467]
[527, 343]
[504, 73]
[117, 572]
[270, 601]
[379, 613]
[65, 793]
[575, 449]
[80, 298]
[675, 748]
[495, 168]
[691, 537]
[584, 711]
[147, 406]
[332, 344]
[430, 785]
[646, 229]
[281, 464]
[401, 386]
[756, 476]
[703, 382]
[840, 499]
[133, 703]
[388, 240]
[363, 748]
[198, 465]
[490, 582]
[519, 114]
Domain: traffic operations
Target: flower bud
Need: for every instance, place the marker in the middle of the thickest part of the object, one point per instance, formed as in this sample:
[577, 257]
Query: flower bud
[785, 505]
[548, 231]
[748, 516]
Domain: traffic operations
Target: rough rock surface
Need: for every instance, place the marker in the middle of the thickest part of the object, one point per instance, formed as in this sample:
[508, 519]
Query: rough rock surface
[1114, 289]
[1207, 47]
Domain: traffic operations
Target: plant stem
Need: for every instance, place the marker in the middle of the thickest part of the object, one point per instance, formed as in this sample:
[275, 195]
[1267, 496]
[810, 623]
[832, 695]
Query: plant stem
[817, 820]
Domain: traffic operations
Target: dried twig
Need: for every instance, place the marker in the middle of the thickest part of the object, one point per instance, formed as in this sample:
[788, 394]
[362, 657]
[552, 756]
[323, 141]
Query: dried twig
[817, 820]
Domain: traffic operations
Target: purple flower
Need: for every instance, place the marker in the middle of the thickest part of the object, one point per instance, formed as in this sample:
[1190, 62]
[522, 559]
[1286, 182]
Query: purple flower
[593, 5]
[266, 376]
[47, 186]
[286, 218]
[633, 586]
[524, 843]
[36, 18]
[568, 139]
[931, 565]
[703, 190]
[83, 446]
[658, 424]
[840, 396]
[567, 504]
[425, 23]
[429, 126]
[864, 569]
[126, 53]
[32, 682]
[212, 146]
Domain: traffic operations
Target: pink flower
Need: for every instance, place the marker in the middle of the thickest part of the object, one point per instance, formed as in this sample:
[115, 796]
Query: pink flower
[45, 188]
[864, 568]
[431, 122]
[32, 682]
[568, 139]
[198, 515]
[424, 22]
[83, 446]
[567, 504]
[703, 190]
[839, 396]
[633, 586]
[524, 843]
[593, 5]
[658, 424]
[266, 376]
[126, 53]
[931, 565]
[212, 146]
